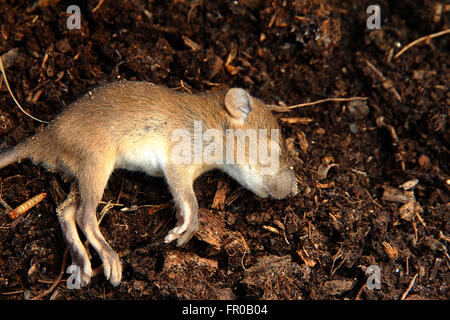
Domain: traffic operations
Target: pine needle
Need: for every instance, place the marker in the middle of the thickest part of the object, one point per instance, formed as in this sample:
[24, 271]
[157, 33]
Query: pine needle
[430, 36]
[306, 104]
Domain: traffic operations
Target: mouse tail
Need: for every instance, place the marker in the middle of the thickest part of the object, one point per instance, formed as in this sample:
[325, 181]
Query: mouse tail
[13, 154]
[8, 156]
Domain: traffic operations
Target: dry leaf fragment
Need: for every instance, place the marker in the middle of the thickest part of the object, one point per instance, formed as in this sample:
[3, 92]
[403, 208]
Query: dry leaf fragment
[396, 195]
[409, 210]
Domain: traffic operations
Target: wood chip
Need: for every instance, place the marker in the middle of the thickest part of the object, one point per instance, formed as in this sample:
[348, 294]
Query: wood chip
[323, 169]
[325, 185]
[396, 195]
[296, 120]
[424, 161]
[408, 185]
[337, 287]
[302, 141]
[177, 260]
[228, 66]
[279, 224]
[271, 229]
[221, 195]
[9, 58]
[409, 210]
[390, 250]
[211, 228]
[191, 44]
[159, 207]
[216, 67]
[213, 231]
[306, 259]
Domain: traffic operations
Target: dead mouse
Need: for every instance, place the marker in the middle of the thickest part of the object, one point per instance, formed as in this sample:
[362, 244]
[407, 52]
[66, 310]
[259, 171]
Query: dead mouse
[142, 126]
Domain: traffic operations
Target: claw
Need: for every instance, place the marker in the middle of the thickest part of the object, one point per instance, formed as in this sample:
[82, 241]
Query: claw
[171, 236]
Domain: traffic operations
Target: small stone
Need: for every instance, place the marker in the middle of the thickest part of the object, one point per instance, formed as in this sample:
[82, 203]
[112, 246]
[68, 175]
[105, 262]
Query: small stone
[358, 109]
[424, 161]
[353, 128]
[63, 46]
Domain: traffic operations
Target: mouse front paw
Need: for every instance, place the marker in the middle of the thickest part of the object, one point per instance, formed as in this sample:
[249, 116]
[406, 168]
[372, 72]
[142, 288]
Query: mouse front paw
[183, 233]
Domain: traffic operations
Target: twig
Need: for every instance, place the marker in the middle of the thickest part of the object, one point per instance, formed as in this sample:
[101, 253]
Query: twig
[7, 206]
[380, 123]
[14, 98]
[120, 191]
[306, 104]
[358, 295]
[55, 284]
[411, 284]
[296, 120]
[373, 201]
[387, 84]
[104, 212]
[113, 204]
[426, 38]
[420, 218]
[98, 6]
[443, 237]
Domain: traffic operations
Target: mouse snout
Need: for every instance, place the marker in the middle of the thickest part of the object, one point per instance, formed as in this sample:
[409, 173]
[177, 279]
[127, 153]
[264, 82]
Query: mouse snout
[284, 185]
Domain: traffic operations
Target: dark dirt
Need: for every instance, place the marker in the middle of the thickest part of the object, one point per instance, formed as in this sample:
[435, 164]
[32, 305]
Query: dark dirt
[317, 245]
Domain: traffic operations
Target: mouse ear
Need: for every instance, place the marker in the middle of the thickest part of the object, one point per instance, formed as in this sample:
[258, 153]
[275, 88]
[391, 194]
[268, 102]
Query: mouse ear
[239, 104]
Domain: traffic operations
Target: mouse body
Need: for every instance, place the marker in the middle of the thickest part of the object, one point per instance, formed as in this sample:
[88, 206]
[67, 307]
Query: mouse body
[141, 126]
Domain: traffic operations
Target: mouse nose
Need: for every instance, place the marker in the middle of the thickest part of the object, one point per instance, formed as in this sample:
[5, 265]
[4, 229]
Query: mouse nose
[294, 190]
[286, 187]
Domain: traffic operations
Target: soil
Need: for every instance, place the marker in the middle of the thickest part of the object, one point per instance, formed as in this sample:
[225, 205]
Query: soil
[352, 215]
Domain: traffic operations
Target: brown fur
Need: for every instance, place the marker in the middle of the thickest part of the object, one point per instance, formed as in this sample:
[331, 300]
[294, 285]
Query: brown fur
[112, 124]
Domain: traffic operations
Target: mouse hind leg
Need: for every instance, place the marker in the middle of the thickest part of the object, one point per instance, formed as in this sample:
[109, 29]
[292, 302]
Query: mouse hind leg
[92, 182]
[66, 213]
